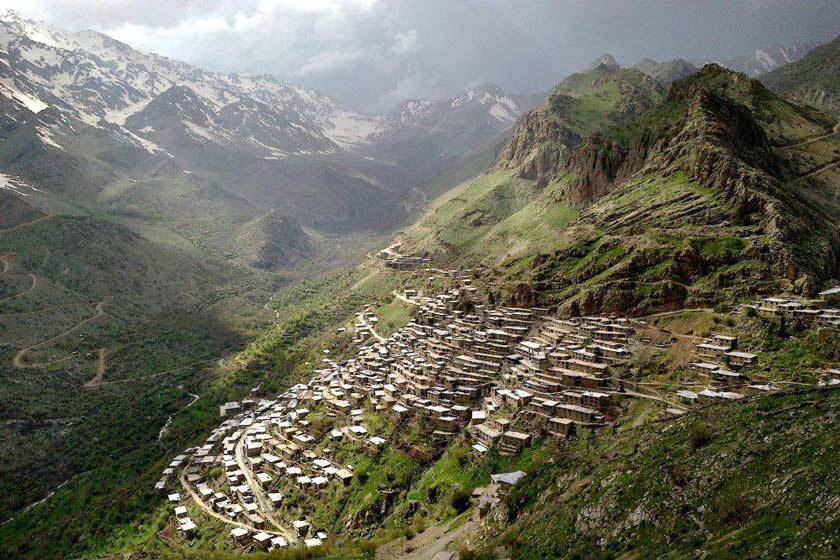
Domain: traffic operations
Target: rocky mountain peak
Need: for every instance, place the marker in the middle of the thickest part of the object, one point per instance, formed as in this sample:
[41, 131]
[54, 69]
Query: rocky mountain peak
[605, 61]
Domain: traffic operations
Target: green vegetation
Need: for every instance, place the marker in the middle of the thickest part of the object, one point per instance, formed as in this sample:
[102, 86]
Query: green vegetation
[701, 484]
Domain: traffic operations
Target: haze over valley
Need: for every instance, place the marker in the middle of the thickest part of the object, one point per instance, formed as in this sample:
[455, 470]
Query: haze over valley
[327, 290]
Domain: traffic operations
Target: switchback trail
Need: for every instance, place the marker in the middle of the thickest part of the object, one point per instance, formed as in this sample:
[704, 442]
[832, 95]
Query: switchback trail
[100, 370]
[17, 361]
[816, 171]
[834, 132]
[32, 287]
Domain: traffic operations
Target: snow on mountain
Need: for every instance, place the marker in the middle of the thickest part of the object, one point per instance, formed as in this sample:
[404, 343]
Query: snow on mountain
[761, 61]
[488, 99]
[98, 78]
[143, 98]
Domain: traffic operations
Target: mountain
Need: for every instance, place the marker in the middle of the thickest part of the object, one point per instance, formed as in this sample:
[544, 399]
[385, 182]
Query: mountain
[814, 80]
[624, 217]
[581, 104]
[441, 132]
[101, 127]
[270, 241]
[90, 315]
[666, 73]
[606, 60]
[761, 61]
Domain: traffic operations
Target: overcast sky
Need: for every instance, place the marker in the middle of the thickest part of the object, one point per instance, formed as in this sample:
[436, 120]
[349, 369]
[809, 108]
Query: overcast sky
[372, 54]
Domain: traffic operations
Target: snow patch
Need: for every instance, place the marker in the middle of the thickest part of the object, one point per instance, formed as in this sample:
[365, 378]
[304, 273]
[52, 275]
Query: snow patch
[16, 185]
[32, 103]
[46, 137]
[348, 129]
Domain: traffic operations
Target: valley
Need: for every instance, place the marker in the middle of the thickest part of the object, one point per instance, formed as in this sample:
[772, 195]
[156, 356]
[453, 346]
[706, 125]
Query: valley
[240, 318]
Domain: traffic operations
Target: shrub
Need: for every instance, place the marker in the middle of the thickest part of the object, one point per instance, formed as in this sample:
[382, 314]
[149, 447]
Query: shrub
[465, 553]
[460, 501]
[699, 435]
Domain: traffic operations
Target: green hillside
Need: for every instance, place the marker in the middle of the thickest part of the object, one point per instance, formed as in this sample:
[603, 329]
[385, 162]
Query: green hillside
[814, 80]
[104, 335]
[701, 486]
[679, 206]
[580, 105]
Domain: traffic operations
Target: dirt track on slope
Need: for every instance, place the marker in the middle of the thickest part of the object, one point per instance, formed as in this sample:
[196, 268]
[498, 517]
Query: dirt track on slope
[17, 361]
[100, 370]
[26, 224]
[34, 285]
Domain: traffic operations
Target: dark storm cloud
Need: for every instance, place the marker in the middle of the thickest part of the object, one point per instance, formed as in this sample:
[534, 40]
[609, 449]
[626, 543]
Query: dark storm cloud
[374, 53]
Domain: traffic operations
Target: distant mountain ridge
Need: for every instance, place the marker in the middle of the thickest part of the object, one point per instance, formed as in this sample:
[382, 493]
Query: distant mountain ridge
[763, 60]
[96, 124]
[666, 73]
[814, 80]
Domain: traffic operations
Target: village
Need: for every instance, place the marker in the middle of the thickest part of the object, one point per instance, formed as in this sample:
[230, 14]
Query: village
[501, 375]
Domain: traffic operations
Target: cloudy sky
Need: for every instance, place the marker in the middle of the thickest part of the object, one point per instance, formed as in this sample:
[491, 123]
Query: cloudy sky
[372, 54]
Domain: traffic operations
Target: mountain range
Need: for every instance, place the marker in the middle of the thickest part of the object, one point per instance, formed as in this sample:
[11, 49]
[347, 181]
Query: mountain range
[129, 130]
[174, 239]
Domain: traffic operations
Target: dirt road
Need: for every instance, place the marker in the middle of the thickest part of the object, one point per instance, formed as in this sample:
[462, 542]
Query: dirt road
[428, 545]
[100, 370]
[17, 361]
[26, 224]
[34, 284]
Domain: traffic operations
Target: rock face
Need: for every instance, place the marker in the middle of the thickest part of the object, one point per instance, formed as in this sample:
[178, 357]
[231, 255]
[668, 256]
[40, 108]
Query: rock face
[689, 200]
[542, 141]
[580, 105]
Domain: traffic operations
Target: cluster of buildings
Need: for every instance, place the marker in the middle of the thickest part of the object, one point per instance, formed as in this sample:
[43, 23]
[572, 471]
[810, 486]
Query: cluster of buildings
[398, 261]
[723, 369]
[502, 375]
[819, 310]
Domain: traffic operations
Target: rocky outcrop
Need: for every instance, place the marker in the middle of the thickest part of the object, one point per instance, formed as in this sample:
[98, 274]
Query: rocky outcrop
[543, 140]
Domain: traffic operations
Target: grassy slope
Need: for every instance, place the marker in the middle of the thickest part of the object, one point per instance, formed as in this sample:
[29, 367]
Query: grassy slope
[659, 239]
[482, 219]
[164, 311]
[701, 485]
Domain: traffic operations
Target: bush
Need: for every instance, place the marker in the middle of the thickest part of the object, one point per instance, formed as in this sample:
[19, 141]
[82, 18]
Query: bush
[460, 501]
[465, 553]
[699, 436]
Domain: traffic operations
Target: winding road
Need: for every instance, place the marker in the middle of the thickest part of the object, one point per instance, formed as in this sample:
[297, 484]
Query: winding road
[834, 131]
[91, 385]
[364, 321]
[17, 361]
[209, 510]
[404, 299]
[34, 284]
[100, 370]
[816, 171]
